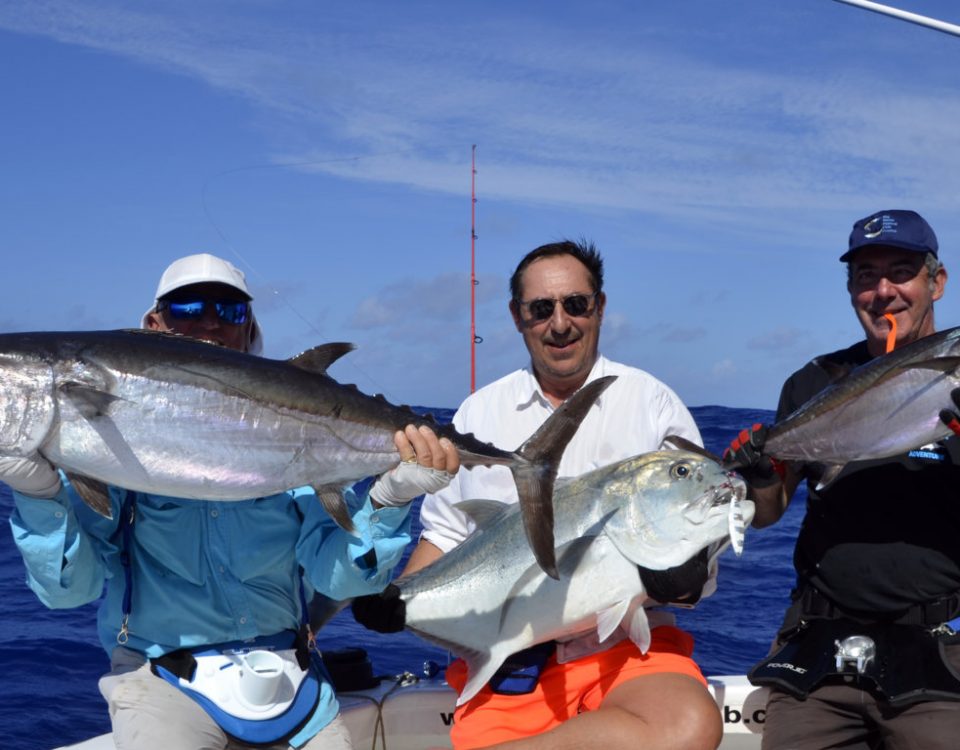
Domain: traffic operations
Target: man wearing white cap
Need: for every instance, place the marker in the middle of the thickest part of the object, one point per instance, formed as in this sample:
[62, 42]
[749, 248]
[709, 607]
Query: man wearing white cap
[206, 297]
[196, 590]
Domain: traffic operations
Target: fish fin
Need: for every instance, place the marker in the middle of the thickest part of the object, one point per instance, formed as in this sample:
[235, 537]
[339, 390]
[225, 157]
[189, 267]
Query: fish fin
[688, 445]
[322, 609]
[319, 358]
[482, 512]
[536, 473]
[482, 666]
[93, 492]
[90, 401]
[331, 497]
[939, 364]
[638, 627]
[608, 620]
[832, 472]
[834, 370]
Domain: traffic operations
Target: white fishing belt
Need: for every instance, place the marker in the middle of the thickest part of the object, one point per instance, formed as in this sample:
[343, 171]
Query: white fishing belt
[249, 684]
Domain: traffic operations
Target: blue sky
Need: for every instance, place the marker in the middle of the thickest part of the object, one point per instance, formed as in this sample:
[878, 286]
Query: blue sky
[716, 152]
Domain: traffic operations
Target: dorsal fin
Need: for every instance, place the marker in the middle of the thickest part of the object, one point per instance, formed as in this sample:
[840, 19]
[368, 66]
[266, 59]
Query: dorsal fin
[319, 358]
[688, 445]
[482, 512]
[938, 364]
[834, 370]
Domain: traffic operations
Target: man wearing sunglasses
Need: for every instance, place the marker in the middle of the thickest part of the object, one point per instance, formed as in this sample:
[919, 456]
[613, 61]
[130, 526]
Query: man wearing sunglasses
[188, 580]
[578, 693]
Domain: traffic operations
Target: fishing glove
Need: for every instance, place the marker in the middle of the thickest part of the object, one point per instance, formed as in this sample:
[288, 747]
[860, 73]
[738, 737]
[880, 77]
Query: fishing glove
[385, 612]
[30, 475]
[406, 481]
[745, 455]
[950, 417]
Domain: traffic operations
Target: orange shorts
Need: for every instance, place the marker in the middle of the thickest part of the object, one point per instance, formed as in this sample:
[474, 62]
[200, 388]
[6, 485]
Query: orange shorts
[564, 690]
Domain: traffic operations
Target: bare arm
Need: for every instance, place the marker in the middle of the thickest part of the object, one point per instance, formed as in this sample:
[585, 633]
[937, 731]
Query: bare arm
[423, 554]
[772, 501]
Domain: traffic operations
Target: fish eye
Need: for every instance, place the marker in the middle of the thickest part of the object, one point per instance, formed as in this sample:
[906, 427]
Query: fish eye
[680, 470]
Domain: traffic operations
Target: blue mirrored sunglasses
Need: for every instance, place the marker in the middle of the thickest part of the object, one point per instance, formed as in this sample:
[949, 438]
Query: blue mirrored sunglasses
[230, 311]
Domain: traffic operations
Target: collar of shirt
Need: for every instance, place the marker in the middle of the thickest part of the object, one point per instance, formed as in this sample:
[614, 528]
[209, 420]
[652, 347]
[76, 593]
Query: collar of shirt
[530, 390]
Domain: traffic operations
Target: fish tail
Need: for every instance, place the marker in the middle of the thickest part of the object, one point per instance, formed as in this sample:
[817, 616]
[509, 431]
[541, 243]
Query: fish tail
[536, 471]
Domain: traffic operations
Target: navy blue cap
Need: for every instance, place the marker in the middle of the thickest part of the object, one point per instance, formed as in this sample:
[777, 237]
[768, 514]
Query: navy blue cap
[896, 228]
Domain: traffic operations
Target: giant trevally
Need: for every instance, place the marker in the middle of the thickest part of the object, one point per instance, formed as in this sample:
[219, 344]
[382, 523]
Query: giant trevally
[883, 408]
[487, 598]
[170, 415]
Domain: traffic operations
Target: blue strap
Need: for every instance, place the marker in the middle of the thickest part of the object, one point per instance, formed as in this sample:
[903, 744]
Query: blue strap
[127, 511]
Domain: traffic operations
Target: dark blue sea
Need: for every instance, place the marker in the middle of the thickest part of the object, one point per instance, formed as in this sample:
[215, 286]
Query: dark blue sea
[50, 660]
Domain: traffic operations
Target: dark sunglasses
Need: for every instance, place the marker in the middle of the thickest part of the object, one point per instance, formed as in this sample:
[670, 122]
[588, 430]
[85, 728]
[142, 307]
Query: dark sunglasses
[230, 311]
[575, 305]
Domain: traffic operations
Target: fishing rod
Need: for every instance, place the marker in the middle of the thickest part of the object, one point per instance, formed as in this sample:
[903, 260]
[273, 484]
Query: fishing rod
[474, 339]
[887, 10]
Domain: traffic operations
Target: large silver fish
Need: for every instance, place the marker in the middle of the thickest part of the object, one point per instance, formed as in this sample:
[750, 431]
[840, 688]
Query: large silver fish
[164, 414]
[487, 599]
[883, 408]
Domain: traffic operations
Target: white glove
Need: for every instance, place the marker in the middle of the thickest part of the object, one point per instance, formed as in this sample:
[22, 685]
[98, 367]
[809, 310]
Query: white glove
[406, 481]
[30, 475]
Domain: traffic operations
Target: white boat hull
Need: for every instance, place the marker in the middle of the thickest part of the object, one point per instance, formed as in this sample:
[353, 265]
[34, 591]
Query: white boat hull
[418, 715]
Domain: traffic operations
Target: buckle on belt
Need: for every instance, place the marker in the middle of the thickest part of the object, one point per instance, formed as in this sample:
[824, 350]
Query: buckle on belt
[855, 650]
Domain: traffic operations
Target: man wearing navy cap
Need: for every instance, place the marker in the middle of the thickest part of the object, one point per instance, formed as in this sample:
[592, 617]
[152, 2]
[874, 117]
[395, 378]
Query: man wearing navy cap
[867, 656]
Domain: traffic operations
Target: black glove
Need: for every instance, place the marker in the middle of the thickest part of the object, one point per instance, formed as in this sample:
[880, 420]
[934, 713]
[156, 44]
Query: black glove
[950, 417]
[385, 612]
[746, 456]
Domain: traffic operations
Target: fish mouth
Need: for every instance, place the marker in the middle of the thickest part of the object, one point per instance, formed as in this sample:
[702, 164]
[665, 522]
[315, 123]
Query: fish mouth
[737, 513]
[730, 494]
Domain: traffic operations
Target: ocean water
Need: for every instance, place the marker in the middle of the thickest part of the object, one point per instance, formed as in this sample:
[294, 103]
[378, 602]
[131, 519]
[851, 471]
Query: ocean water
[50, 661]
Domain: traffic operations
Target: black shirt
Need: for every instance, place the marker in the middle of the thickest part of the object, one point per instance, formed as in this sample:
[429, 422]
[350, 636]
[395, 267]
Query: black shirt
[886, 533]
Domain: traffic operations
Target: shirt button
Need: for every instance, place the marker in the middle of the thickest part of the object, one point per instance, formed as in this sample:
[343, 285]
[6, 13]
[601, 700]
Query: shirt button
[58, 514]
[374, 518]
[214, 513]
[243, 620]
[222, 569]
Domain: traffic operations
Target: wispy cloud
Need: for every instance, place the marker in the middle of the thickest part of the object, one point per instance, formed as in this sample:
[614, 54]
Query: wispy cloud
[617, 125]
[777, 339]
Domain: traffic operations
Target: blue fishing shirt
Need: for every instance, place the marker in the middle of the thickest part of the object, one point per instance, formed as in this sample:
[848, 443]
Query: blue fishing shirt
[205, 572]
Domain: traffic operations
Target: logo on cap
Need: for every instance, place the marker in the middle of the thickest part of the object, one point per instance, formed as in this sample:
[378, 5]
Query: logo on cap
[878, 225]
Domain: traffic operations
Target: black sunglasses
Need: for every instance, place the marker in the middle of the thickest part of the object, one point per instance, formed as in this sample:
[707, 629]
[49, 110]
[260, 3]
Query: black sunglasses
[575, 305]
[230, 311]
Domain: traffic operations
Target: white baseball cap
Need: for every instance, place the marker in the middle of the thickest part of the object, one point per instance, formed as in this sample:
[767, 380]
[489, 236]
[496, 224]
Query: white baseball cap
[204, 268]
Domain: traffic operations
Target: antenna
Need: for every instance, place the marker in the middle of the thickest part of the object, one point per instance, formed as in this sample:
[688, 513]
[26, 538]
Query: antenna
[886, 10]
[474, 339]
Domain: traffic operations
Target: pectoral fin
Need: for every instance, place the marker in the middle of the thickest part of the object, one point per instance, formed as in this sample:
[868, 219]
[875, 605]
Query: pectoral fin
[609, 619]
[638, 627]
[832, 472]
[93, 492]
[331, 498]
[89, 400]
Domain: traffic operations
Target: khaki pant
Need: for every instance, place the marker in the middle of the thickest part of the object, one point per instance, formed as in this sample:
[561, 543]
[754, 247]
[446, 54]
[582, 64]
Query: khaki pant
[148, 713]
